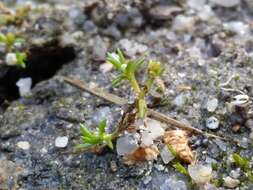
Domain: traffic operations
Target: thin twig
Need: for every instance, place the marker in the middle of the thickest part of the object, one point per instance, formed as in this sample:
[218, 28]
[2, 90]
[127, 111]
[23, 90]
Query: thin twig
[121, 101]
[233, 90]
[96, 91]
[229, 80]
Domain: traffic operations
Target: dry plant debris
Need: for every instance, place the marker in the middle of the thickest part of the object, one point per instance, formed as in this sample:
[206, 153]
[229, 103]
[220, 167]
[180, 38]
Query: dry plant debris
[178, 140]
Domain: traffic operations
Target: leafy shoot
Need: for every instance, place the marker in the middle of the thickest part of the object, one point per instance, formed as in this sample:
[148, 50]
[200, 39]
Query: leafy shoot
[91, 139]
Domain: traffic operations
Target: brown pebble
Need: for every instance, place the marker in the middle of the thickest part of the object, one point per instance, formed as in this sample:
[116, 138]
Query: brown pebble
[113, 166]
[236, 128]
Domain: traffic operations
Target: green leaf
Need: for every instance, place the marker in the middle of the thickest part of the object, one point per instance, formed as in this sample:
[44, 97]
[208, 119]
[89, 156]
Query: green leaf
[101, 127]
[121, 56]
[214, 166]
[19, 40]
[83, 146]
[2, 38]
[21, 58]
[85, 132]
[241, 162]
[250, 176]
[114, 59]
[118, 80]
[10, 39]
[180, 168]
[109, 143]
[132, 67]
[172, 150]
[91, 140]
[139, 62]
[154, 69]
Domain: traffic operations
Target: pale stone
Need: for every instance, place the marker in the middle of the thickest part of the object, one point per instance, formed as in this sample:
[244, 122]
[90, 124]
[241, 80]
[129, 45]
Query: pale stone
[146, 139]
[126, 144]
[11, 59]
[105, 67]
[23, 145]
[226, 3]
[196, 4]
[230, 182]
[24, 86]
[200, 174]
[212, 104]
[183, 23]
[166, 155]
[61, 142]
[212, 123]
[155, 128]
[237, 27]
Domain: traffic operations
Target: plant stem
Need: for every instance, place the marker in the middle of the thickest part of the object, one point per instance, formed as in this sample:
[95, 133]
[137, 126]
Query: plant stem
[149, 84]
[135, 85]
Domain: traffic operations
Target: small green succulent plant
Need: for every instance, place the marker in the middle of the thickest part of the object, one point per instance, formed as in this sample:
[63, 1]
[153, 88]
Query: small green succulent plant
[127, 70]
[91, 139]
[18, 58]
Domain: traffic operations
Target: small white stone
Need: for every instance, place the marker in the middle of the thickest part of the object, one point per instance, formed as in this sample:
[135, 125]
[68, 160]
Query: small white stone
[43, 150]
[147, 180]
[237, 27]
[146, 139]
[249, 124]
[61, 142]
[230, 182]
[196, 4]
[23, 145]
[200, 174]
[11, 59]
[126, 144]
[240, 100]
[155, 128]
[212, 104]
[183, 23]
[206, 13]
[166, 155]
[226, 3]
[105, 67]
[212, 123]
[132, 48]
[24, 86]
[235, 173]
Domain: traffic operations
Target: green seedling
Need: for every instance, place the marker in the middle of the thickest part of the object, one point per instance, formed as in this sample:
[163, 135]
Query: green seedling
[181, 169]
[128, 69]
[21, 58]
[91, 139]
[244, 164]
[16, 18]
[9, 40]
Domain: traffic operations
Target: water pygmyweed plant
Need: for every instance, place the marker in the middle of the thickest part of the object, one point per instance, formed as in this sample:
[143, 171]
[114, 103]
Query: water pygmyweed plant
[16, 17]
[91, 139]
[127, 70]
[18, 58]
[244, 164]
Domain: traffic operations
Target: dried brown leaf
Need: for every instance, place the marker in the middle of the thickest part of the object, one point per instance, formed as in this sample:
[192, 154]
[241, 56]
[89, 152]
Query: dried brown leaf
[141, 154]
[178, 140]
